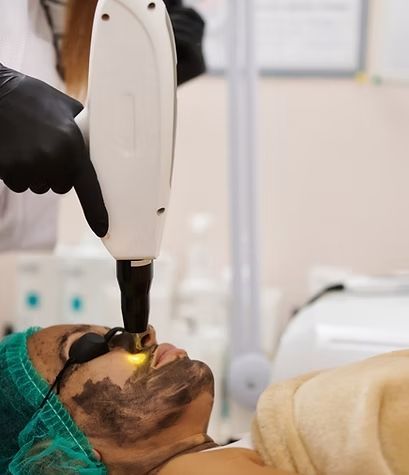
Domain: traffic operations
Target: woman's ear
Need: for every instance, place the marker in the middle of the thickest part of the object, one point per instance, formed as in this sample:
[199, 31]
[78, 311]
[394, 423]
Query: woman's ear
[97, 455]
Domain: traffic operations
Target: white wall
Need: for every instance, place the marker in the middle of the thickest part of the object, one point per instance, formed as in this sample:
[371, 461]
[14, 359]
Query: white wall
[335, 165]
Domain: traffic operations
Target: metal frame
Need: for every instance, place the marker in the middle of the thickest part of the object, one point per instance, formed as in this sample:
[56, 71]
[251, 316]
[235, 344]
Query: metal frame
[244, 189]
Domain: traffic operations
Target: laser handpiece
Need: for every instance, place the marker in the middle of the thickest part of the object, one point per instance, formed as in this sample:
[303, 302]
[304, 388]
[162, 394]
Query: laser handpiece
[134, 279]
[129, 123]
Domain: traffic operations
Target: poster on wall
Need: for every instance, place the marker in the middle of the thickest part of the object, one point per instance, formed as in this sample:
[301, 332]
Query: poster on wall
[312, 37]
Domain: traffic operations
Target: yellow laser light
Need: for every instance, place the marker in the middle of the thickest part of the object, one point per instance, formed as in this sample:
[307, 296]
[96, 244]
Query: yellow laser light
[138, 358]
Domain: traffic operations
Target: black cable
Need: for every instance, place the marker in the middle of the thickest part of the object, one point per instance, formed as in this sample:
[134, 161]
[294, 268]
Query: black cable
[56, 383]
[326, 290]
[112, 332]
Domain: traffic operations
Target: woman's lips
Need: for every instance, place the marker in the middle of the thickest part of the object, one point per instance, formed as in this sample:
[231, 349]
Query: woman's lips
[166, 353]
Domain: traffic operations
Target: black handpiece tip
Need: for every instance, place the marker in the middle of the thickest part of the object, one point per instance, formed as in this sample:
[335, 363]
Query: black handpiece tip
[134, 282]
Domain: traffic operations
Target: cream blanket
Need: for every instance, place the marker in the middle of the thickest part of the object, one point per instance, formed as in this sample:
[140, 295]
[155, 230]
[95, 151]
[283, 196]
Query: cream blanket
[352, 420]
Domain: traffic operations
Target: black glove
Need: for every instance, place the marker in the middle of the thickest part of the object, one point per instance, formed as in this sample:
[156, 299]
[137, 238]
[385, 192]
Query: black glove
[188, 27]
[173, 3]
[41, 146]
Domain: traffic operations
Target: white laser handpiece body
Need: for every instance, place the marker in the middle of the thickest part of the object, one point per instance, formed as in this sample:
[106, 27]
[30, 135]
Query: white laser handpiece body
[129, 121]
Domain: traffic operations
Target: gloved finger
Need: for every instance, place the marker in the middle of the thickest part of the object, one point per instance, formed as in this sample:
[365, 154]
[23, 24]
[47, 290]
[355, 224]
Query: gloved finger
[39, 188]
[61, 188]
[90, 196]
[17, 185]
[63, 177]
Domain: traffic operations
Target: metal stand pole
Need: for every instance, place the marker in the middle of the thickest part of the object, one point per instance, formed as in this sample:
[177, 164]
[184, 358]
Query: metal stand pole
[249, 370]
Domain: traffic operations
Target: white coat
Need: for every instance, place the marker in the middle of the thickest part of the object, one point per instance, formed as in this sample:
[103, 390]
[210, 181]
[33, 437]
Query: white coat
[28, 221]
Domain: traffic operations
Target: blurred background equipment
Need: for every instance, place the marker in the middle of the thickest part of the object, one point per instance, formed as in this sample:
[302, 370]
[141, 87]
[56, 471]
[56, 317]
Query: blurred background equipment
[368, 317]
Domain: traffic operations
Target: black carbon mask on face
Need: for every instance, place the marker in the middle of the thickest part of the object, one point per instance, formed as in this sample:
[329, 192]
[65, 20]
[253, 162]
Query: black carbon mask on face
[146, 405]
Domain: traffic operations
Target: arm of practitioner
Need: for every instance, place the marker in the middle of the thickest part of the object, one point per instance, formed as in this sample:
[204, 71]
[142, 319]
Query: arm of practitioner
[42, 148]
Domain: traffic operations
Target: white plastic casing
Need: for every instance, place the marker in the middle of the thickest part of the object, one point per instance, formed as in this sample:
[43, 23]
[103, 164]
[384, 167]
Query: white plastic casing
[130, 114]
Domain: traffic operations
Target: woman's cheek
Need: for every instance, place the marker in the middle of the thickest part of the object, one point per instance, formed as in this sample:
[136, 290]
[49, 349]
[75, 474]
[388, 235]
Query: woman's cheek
[114, 365]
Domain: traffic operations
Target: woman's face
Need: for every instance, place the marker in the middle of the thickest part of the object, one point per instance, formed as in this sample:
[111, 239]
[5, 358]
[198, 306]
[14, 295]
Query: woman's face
[122, 399]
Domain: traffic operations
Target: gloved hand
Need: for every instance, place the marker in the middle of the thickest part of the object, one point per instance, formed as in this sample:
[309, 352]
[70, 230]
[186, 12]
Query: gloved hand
[41, 146]
[172, 4]
[188, 28]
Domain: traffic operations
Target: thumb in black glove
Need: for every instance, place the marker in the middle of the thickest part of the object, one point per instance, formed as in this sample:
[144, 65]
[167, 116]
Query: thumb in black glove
[41, 146]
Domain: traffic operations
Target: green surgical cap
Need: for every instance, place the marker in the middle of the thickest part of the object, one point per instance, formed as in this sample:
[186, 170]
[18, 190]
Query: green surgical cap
[33, 441]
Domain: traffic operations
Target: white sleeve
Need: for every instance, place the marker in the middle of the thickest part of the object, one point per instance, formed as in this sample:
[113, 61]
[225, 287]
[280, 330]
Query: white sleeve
[13, 32]
[27, 221]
